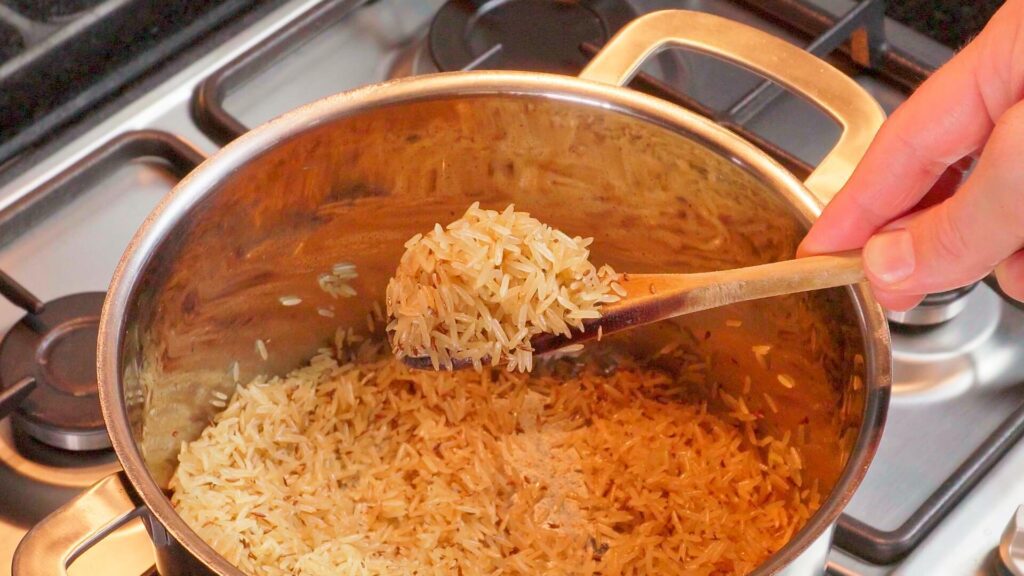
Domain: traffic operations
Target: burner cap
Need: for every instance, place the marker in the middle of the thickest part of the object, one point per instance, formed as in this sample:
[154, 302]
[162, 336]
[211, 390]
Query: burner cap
[934, 310]
[537, 35]
[58, 349]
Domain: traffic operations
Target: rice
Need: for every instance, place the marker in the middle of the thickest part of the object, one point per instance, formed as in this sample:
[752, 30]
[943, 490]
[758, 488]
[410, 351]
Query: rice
[364, 466]
[761, 354]
[337, 282]
[261, 349]
[461, 291]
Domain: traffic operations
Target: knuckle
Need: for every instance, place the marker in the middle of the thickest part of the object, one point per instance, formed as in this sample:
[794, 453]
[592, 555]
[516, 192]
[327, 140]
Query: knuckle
[870, 211]
[950, 236]
[902, 132]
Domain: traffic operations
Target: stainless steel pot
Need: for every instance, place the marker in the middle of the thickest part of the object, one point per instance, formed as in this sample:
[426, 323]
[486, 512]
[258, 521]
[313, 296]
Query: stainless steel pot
[350, 177]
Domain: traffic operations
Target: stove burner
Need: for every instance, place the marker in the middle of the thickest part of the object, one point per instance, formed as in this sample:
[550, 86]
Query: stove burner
[537, 35]
[935, 309]
[57, 347]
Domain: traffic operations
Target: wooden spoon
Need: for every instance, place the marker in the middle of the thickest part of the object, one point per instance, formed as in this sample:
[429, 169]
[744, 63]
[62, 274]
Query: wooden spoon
[653, 297]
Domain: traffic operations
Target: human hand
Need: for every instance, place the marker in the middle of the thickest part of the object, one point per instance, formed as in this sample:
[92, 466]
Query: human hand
[920, 232]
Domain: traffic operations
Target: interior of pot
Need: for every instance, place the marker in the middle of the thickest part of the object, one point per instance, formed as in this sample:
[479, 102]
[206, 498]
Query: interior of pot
[356, 188]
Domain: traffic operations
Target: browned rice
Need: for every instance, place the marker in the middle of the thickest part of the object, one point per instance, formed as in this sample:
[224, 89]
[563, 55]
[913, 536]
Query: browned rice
[481, 287]
[367, 467]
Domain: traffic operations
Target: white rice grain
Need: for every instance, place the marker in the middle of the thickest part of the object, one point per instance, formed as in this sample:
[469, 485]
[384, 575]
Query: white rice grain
[787, 381]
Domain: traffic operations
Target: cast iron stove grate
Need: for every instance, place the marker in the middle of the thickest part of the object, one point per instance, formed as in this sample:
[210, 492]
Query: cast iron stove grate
[60, 58]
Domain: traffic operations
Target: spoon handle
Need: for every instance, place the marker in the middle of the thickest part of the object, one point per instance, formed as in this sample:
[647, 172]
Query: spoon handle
[694, 292]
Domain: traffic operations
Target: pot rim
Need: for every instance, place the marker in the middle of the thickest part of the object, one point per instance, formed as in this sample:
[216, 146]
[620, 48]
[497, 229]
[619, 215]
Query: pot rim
[204, 179]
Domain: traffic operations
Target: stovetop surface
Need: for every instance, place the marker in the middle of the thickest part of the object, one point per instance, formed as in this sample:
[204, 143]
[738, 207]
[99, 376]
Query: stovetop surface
[953, 385]
[60, 58]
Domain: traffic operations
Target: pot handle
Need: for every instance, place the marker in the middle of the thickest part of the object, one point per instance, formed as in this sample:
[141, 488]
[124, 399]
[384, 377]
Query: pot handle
[808, 76]
[67, 532]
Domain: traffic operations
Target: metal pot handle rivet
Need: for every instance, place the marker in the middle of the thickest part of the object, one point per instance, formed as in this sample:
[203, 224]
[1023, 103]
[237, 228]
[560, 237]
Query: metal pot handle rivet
[834, 92]
[50, 547]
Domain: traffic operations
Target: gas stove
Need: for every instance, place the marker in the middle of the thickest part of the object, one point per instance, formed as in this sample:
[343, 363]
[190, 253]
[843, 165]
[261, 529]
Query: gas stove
[945, 482]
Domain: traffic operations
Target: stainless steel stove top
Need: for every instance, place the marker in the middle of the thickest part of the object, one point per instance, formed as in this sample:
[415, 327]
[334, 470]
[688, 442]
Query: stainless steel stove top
[957, 387]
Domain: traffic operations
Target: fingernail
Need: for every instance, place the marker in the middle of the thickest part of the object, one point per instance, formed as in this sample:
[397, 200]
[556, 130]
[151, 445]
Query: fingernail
[889, 256]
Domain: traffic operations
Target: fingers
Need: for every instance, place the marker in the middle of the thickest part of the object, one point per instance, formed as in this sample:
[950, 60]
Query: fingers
[1010, 275]
[946, 185]
[963, 238]
[878, 257]
[949, 117]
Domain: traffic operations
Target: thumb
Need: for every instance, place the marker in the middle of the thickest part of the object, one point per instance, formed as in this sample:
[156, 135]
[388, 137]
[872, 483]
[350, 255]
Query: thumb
[962, 239]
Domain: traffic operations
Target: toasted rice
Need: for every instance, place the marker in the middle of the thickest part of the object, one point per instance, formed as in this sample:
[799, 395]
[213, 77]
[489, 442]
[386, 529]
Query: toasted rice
[480, 288]
[363, 466]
